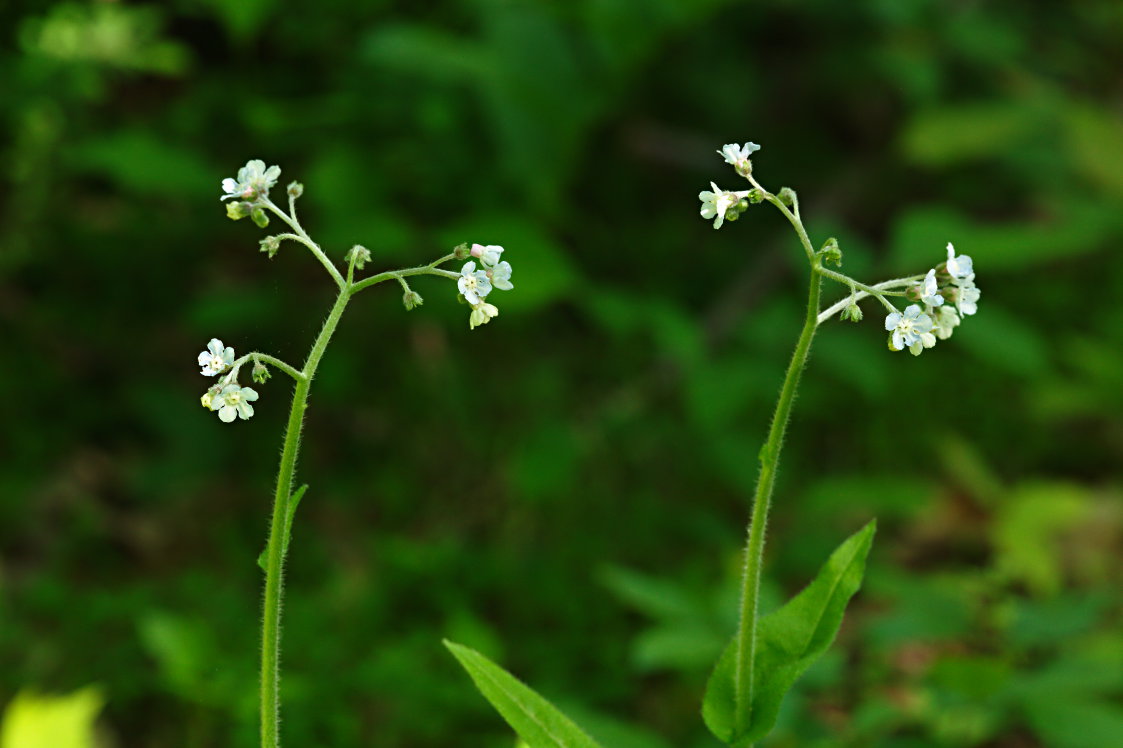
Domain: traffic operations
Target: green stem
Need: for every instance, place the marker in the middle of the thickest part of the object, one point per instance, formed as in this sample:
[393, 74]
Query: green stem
[769, 459]
[275, 555]
[430, 269]
[302, 236]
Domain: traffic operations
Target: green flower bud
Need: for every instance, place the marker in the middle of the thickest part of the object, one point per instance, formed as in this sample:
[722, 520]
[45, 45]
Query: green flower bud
[260, 372]
[914, 293]
[237, 210]
[296, 189]
[259, 217]
[787, 196]
[756, 197]
[732, 214]
[411, 299]
[270, 245]
[359, 255]
[831, 253]
[853, 312]
[462, 251]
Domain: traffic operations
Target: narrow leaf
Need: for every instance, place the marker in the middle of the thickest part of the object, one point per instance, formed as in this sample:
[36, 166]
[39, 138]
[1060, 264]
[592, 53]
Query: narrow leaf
[536, 720]
[294, 501]
[789, 640]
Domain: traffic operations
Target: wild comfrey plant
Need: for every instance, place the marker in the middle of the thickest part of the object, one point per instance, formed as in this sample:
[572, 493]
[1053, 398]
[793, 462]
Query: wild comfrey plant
[249, 196]
[768, 653]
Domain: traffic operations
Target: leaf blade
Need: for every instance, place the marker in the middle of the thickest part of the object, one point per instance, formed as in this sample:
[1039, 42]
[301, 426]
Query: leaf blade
[789, 640]
[536, 720]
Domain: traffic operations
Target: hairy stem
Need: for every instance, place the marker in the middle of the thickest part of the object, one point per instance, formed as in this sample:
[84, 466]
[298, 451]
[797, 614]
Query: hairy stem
[884, 286]
[275, 551]
[302, 236]
[769, 459]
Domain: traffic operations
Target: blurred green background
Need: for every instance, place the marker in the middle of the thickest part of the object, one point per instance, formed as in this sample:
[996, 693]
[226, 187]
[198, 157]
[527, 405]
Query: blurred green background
[565, 489]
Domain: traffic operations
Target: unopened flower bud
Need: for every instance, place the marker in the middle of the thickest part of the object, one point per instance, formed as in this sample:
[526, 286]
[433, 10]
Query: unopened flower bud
[238, 210]
[260, 372]
[259, 218]
[831, 252]
[462, 251]
[756, 197]
[732, 214]
[853, 312]
[411, 299]
[787, 196]
[296, 189]
[270, 245]
[914, 293]
[359, 255]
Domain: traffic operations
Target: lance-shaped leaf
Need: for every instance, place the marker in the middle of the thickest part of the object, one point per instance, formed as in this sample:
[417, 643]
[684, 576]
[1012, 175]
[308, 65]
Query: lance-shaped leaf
[536, 720]
[789, 640]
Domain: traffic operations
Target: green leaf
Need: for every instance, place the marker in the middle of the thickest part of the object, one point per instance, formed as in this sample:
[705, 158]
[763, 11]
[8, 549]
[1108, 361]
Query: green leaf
[536, 720]
[294, 502]
[41, 721]
[788, 642]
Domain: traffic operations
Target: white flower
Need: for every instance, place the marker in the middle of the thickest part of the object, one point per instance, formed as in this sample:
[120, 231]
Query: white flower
[482, 314]
[738, 155]
[215, 359]
[958, 267]
[967, 296]
[488, 255]
[908, 328]
[500, 276]
[945, 320]
[233, 402]
[930, 291]
[473, 284]
[716, 203]
[254, 181]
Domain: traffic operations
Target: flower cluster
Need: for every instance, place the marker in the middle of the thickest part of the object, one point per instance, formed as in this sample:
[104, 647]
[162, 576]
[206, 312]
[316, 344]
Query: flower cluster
[475, 284]
[728, 205]
[948, 293]
[250, 190]
[227, 397]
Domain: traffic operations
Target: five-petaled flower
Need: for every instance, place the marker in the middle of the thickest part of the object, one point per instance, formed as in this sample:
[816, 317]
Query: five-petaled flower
[716, 203]
[253, 182]
[930, 291]
[215, 359]
[912, 330]
[500, 276]
[232, 402]
[481, 314]
[959, 268]
[487, 254]
[738, 155]
[473, 284]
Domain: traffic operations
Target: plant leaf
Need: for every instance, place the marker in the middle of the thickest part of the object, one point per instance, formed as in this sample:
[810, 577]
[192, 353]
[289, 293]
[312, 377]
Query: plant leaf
[294, 501]
[789, 640]
[536, 720]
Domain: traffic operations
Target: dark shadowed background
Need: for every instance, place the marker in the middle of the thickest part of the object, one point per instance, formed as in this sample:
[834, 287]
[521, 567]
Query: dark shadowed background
[566, 488]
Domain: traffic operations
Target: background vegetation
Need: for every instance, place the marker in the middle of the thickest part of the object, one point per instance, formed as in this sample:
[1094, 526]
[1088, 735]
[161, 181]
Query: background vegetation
[565, 489]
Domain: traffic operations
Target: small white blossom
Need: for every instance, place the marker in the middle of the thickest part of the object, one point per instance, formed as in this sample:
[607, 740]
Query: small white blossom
[215, 359]
[945, 320]
[738, 155]
[233, 402]
[908, 328]
[481, 314]
[716, 203]
[930, 291]
[500, 276]
[967, 296]
[958, 267]
[488, 255]
[473, 284]
[254, 181]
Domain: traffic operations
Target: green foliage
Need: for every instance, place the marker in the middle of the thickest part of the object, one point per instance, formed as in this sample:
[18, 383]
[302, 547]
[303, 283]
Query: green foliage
[40, 721]
[789, 641]
[536, 720]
